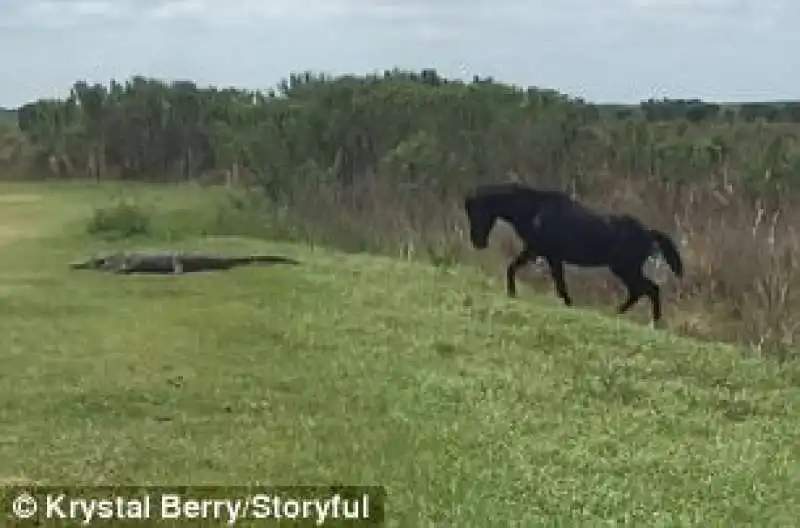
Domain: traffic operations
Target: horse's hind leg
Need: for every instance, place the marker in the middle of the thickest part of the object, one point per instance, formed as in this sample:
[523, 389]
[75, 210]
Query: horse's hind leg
[638, 285]
[634, 285]
[511, 273]
[653, 292]
[557, 273]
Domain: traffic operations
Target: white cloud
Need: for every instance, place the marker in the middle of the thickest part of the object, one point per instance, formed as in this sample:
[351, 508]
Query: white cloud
[250, 11]
[178, 9]
[431, 12]
[607, 50]
[738, 10]
[50, 13]
[681, 4]
[425, 12]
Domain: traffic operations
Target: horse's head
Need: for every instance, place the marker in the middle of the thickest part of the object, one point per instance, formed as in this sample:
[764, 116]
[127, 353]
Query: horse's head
[481, 220]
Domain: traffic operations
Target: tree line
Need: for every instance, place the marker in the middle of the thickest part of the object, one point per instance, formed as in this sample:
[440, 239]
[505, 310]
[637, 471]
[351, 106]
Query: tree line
[411, 127]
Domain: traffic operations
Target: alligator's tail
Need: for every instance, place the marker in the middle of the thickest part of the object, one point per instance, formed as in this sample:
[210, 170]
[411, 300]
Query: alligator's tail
[266, 259]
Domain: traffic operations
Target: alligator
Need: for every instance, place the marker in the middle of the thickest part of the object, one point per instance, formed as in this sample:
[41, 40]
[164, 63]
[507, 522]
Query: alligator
[172, 262]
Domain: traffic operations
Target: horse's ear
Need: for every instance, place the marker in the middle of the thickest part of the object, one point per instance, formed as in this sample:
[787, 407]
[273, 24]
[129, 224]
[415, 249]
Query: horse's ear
[472, 195]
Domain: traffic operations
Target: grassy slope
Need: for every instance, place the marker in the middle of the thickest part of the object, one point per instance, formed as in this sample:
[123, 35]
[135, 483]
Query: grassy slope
[469, 407]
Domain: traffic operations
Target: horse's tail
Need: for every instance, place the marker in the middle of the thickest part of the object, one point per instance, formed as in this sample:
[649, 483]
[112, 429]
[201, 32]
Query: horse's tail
[669, 250]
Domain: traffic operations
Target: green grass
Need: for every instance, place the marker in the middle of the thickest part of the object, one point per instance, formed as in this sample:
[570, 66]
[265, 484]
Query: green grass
[472, 409]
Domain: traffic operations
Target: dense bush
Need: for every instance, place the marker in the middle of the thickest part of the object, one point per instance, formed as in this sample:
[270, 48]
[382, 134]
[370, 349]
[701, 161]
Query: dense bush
[123, 219]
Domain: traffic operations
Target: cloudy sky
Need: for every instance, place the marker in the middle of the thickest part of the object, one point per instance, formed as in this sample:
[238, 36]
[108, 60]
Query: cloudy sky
[604, 50]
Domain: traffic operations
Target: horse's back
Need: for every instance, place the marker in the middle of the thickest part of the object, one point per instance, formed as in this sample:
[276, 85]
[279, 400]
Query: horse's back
[567, 231]
[517, 196]
[627, 221]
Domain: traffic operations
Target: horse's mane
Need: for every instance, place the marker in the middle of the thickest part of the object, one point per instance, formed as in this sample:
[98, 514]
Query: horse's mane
[510, 189]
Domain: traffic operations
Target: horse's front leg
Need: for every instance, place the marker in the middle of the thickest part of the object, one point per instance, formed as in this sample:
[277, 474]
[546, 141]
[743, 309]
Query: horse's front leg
[523, 258]
[557, 273]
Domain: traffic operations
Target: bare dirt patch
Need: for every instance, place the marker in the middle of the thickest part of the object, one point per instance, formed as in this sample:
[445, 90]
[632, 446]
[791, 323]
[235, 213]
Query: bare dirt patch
[9, 234]
[17, 220]
[8, 199]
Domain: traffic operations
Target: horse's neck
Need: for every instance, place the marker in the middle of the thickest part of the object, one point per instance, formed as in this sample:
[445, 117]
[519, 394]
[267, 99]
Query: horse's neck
[521, 220]
[521, 212]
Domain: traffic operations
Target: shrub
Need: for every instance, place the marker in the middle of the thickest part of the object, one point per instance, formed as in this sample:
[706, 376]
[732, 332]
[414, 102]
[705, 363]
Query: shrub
[123, 219]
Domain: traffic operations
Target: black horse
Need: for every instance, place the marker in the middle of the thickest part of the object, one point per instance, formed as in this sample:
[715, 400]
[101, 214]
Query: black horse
[562, 231]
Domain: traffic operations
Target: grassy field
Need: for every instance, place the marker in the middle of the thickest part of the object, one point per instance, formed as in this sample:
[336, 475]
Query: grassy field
[472, 409]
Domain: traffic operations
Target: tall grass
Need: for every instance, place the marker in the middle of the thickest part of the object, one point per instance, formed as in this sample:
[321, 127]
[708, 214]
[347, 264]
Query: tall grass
[741, 251]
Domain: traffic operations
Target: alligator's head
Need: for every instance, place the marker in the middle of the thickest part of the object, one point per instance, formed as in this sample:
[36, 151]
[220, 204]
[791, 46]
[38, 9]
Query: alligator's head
[97, 262]
[92, 263]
